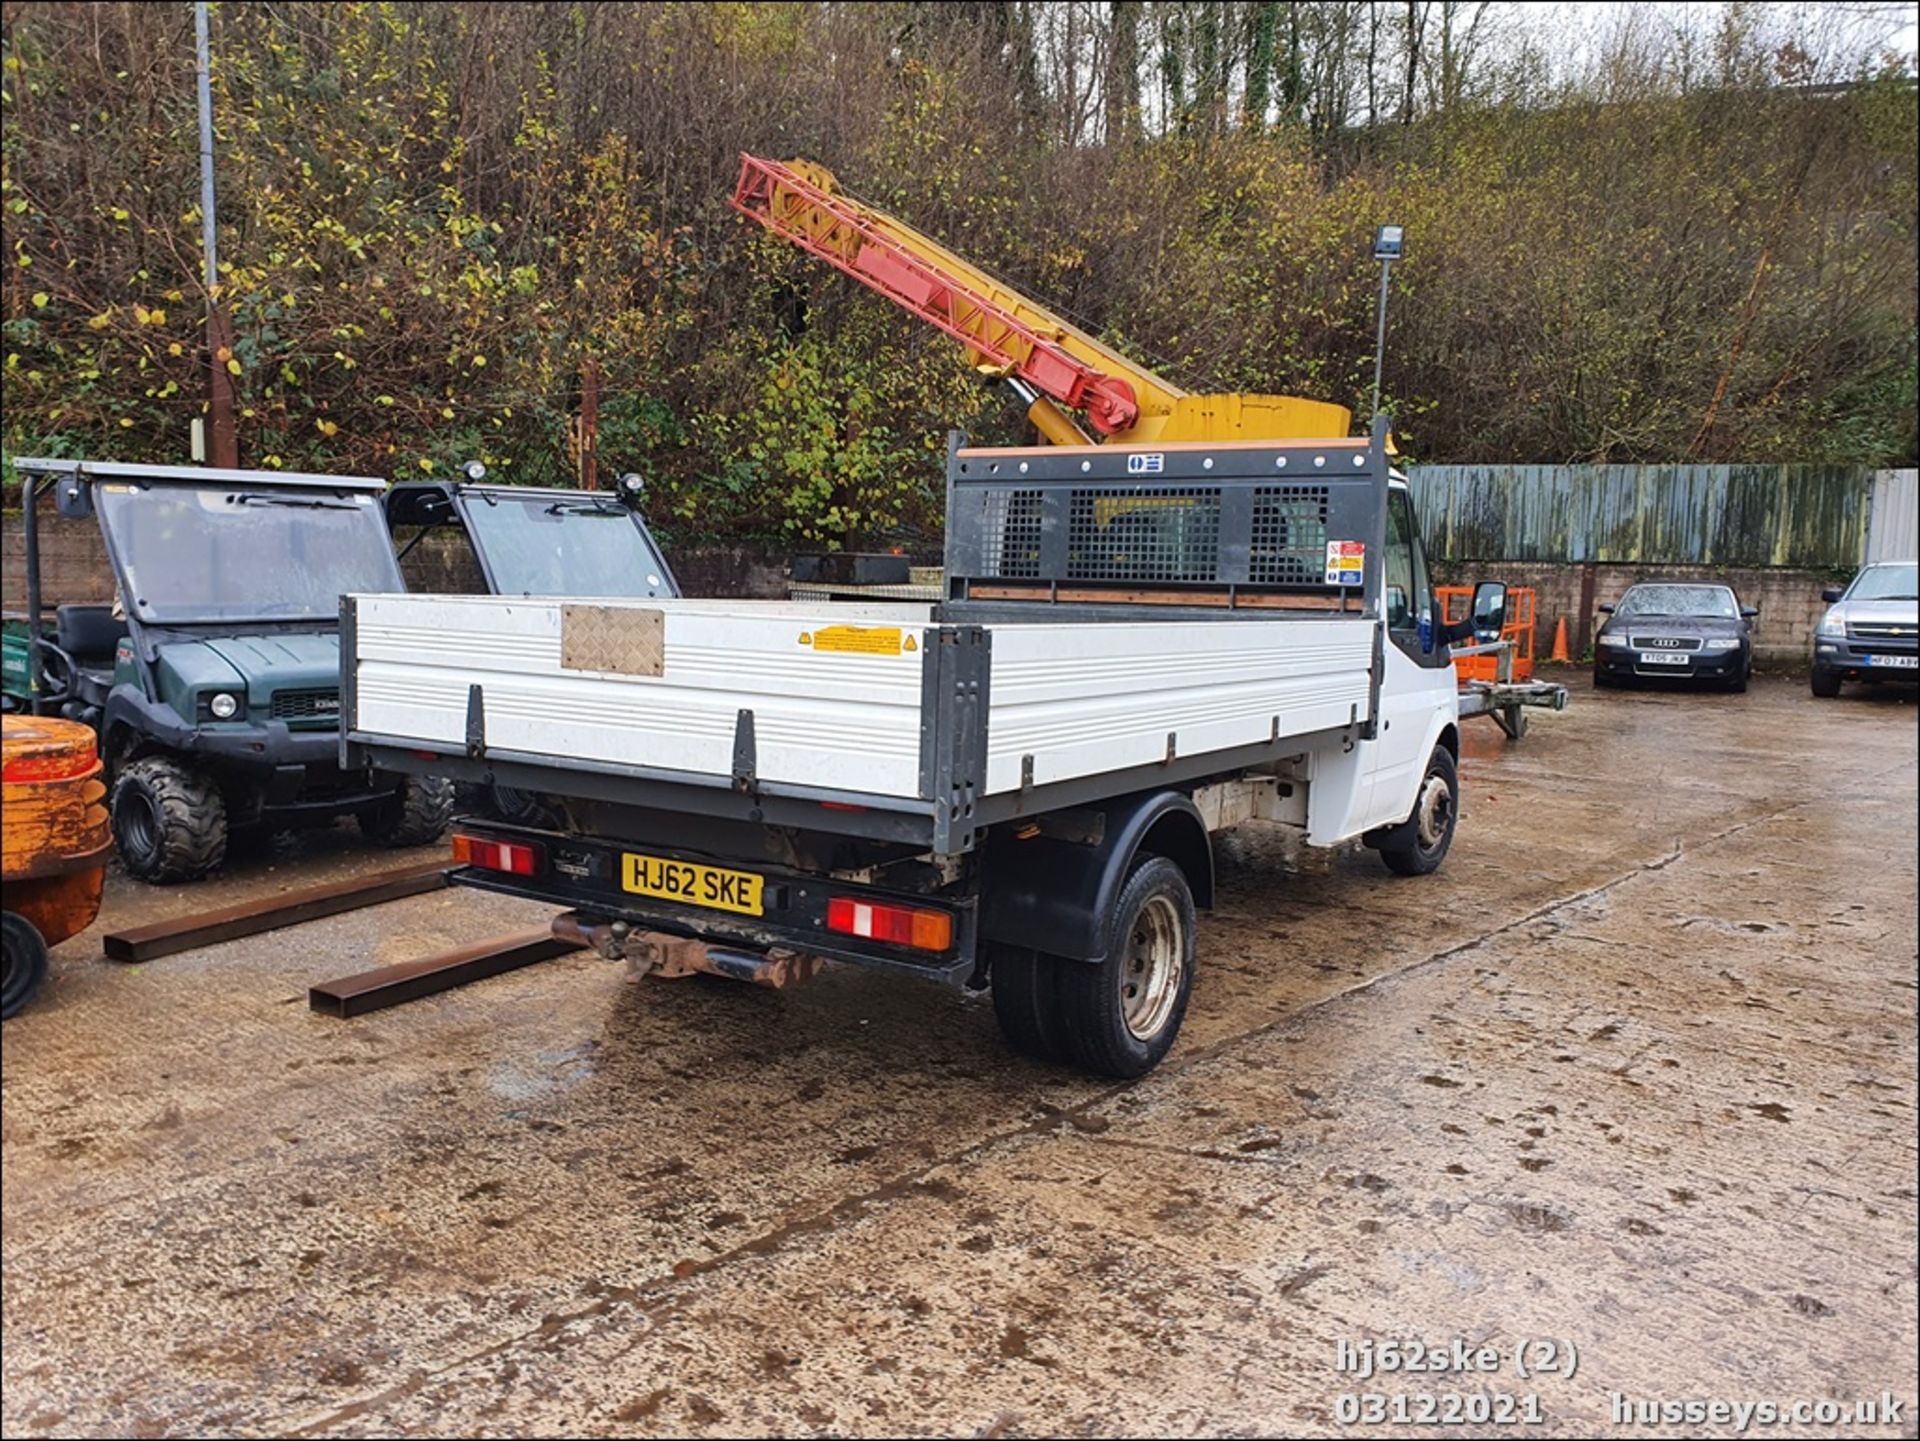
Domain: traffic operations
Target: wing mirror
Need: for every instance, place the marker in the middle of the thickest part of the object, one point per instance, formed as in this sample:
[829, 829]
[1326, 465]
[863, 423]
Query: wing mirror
[1748, 612]
[1832, 594]
[1489, 609]
[1607, 609]
[73, 498]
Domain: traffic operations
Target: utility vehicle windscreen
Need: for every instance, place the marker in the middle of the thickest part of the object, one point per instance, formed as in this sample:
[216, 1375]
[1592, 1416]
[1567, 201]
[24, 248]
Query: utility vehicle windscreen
[189, 555]
[564, 545]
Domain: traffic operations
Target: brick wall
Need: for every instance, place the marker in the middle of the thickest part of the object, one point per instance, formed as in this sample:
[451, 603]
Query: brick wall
[74, 571]
[73, 563]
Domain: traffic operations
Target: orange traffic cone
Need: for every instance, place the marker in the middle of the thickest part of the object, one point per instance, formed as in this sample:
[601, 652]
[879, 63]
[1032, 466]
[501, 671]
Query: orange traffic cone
[1560, 643]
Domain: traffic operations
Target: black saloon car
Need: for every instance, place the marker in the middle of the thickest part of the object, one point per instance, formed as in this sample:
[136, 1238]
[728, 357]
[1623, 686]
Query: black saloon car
[1676, 631]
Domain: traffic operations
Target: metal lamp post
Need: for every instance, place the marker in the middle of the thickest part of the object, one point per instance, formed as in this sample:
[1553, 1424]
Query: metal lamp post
[226, 442]
[1389, 244]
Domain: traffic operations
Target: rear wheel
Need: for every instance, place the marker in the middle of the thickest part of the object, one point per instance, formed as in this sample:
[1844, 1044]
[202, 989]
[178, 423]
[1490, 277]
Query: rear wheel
[1120, 1017]
[522, 808]
[1026, 1001]
[26, 962]
[413, 815]
[1418, 844]
[169, 821]
[1825, 682]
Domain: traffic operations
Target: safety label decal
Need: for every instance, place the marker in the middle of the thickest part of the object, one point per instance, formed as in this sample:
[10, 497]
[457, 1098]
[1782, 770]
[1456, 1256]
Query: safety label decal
[859, 639]
[1346, 561]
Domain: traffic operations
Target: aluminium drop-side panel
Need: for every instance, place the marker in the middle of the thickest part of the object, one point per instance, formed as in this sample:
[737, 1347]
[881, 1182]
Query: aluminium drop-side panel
[844, 719]
[1083, 699]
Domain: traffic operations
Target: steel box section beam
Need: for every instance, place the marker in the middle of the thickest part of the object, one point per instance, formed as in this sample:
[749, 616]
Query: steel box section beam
[375, 990]
[252, 918]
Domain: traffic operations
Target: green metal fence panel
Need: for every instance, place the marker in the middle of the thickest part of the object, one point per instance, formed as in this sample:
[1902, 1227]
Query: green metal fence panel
[1744, 515]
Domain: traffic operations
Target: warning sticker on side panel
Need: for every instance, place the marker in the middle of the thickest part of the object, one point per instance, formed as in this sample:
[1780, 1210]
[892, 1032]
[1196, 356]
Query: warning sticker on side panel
[859, 639]
[1346, 561]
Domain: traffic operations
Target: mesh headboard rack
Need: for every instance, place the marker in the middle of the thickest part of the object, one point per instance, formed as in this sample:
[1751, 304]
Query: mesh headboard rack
[1191, 526]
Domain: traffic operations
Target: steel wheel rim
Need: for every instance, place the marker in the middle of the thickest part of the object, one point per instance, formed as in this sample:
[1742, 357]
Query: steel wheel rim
[1151, 970]
[1436, 811]
[139, 824]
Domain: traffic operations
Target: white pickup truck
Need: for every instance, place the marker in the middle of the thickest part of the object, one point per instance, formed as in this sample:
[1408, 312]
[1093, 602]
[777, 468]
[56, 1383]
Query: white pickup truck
[1015, 787]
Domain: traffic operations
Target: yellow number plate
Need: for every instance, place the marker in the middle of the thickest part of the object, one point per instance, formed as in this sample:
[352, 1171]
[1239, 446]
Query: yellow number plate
[692, 885]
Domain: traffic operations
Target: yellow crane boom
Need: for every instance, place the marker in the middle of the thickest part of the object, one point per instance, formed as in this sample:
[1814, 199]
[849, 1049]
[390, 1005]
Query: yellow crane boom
[1057, 368]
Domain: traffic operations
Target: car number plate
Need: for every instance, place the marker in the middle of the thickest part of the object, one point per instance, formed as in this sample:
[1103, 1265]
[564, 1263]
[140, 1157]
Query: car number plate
[1664, 657]
[1898, 662]
[691, 885]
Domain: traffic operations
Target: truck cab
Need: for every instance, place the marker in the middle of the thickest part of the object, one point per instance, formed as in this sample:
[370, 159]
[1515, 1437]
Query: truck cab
[213, 680]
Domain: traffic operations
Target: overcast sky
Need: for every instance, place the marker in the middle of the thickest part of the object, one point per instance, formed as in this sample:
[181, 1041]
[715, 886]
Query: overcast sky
[1568, 26]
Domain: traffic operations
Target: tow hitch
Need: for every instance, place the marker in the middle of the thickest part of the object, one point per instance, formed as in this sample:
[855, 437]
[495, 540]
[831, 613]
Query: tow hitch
[654, 953]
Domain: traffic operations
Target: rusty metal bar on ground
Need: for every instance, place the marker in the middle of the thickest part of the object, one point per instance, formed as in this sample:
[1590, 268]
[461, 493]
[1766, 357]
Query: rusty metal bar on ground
[205, 928]
[393, 985]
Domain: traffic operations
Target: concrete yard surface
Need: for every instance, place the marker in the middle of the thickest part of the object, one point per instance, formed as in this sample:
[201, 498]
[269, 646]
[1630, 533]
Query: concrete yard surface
[1634, 1075]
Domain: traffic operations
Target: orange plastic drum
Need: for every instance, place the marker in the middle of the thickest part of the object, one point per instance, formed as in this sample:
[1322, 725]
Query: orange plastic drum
[54, 841]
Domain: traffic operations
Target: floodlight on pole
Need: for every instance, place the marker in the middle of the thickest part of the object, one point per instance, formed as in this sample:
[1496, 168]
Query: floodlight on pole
[1389, 245]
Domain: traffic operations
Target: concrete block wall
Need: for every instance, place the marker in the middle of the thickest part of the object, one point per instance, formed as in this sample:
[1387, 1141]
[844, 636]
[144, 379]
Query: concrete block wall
[74, 570]
[1789, 600]
[73, 563]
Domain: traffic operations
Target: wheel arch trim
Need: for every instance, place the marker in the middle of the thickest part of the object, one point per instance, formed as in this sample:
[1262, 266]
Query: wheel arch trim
[1056, 895]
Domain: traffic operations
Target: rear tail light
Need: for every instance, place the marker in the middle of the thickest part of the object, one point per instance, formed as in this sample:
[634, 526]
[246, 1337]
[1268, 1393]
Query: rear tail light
[896, 925]
[516, 858]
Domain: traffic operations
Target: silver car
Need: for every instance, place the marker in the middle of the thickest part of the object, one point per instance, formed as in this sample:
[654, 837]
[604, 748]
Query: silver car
[1872, 630]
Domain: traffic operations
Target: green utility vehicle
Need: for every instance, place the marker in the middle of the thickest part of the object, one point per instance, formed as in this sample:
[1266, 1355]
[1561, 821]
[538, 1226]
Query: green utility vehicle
[526, 540]
[215, 682]
[529, 540]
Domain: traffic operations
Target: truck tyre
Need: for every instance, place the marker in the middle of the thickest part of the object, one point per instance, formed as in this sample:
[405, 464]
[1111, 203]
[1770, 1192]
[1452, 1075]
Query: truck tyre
[1418, 844]
[1825, 682]
[169, 821]
[505, 803]
[521, 808]
[1026, 1001]
[1120, 1017]
[26, 962]
[413, 815]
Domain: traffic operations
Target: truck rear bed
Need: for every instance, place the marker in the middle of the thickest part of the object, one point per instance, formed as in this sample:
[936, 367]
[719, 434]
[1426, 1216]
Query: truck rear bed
[876, 703]
[1114, 620]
